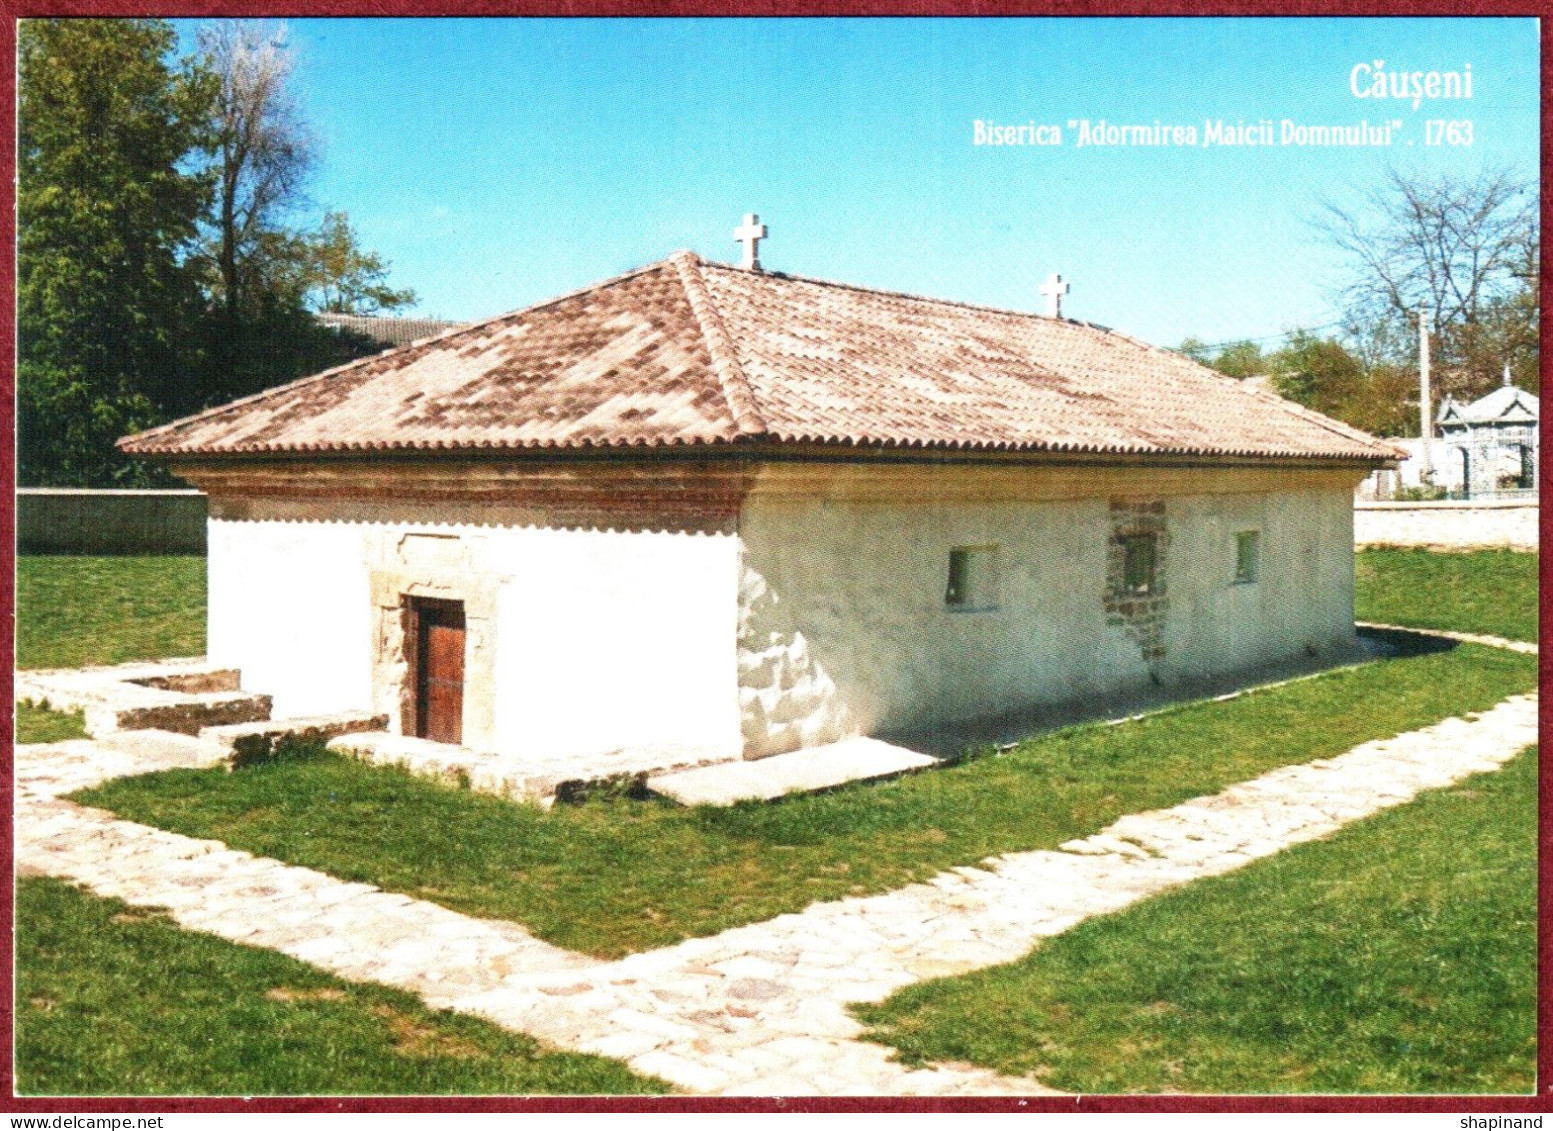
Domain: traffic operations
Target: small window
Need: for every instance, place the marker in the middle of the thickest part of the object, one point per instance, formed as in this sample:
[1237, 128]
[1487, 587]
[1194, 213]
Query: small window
[973, 579]
[1138, 555]
[1248, 551]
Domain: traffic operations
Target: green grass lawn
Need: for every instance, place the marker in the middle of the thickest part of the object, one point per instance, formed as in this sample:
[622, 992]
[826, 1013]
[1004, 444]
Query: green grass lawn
[1493, 592]
[79, 611]
[612, 876]
[1398, 956]
[34, 724]
[616, 876]
[117, 1001]
[74, 611]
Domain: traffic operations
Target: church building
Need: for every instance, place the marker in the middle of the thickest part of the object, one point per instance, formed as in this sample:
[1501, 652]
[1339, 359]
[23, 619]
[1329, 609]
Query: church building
[712, 511]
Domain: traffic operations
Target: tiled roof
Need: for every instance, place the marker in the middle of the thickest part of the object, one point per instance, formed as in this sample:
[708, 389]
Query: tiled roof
[687, 352]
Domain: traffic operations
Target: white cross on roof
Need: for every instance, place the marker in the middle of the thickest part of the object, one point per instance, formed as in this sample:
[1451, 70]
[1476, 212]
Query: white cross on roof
[1054, 288]
[750, 236]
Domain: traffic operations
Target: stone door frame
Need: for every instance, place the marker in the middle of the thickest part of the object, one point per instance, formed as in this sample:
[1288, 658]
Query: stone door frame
[442, 576]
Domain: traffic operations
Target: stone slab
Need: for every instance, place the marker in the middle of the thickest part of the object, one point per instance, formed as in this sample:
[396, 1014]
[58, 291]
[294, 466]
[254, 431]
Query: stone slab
[180, 695]
[256, 741]
[191, 715]
[802, 771]
[1521, 646]
[517, 778]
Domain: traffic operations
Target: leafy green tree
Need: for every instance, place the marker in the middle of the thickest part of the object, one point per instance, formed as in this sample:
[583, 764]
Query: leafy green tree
[158, 268]
[1324, 374]
[1333, 378]
[1234, 359]
[344, 278]
[107, 209]
[1320, 374]
[260, 269]
[262, 158]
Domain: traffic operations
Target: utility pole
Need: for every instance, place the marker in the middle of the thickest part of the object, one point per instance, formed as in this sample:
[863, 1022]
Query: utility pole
[1425, 425]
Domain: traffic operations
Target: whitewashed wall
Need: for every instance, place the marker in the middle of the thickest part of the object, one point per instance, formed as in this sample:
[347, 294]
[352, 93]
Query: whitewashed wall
[815, 621]
[844, 626]
[290, 607]
[609, 640]
[603, 639]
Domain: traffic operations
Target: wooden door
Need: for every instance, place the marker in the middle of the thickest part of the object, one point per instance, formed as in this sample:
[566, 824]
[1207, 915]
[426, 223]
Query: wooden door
[439, 671]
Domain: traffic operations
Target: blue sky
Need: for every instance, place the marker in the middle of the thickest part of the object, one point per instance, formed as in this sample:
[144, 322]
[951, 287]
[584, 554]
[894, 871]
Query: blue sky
[499, 162]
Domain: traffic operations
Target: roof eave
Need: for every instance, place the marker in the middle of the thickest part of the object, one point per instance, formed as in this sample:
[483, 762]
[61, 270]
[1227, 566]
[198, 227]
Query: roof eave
[765, 445]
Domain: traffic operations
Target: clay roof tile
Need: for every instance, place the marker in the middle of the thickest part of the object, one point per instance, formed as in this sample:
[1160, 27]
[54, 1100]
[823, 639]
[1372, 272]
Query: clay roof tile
[686, 352]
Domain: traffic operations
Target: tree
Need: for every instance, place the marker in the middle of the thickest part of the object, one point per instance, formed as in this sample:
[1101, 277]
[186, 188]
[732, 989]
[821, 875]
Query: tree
[343, 278]
[1320, 374]
[1323, 374]
[263, 156]
[107, 209]
[1234, 359]
[157, 272]
[1462, 249]
[262, 272]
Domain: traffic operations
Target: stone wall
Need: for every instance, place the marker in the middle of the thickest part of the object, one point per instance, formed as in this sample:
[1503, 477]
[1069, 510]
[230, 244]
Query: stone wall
[844, 626]
[1447, 525]
[818, 613]
[58, 520]
[1142, 615]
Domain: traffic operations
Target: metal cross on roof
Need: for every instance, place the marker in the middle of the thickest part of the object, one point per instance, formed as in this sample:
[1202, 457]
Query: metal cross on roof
[1054, 288]
[750, 236]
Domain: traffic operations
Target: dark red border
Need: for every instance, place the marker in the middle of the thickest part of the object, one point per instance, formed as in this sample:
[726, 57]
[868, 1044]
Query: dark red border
[1541, 1102]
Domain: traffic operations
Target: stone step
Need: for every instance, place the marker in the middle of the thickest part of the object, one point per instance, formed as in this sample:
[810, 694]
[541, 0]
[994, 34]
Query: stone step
[179, 712]
[422, 757]
[246, 743]
[179, 695]
[164, 750]
[802, 771]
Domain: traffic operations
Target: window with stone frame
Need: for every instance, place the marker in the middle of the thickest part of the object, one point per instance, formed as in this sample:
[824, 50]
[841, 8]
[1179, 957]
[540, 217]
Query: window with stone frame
[1137, 573]
[1248, 556]
[1139, 564]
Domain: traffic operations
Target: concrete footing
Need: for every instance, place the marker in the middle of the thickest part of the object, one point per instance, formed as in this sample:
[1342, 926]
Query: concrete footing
[540, 780]
[802, 771]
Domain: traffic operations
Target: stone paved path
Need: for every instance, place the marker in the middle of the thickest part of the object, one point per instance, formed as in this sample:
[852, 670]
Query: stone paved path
[758, 1009]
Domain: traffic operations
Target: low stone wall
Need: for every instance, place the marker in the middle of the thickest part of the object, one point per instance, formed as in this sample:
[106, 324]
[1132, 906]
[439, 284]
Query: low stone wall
[1448, 525]
[59, 520]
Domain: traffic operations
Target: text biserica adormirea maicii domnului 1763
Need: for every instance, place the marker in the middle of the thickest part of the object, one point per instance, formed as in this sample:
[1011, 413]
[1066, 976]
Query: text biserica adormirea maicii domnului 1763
[1377, 88]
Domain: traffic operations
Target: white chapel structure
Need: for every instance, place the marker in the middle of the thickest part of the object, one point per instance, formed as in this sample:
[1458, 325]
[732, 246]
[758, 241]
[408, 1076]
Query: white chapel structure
[716, 510]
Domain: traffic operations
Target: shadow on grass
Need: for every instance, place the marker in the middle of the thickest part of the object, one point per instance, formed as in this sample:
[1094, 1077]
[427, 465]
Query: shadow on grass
[973, 738]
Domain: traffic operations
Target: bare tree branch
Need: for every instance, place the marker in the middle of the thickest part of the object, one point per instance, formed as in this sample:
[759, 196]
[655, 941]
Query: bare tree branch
[1453, 247]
